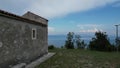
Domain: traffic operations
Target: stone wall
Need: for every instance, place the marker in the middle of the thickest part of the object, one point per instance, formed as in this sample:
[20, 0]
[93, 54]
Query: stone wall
[16, 43]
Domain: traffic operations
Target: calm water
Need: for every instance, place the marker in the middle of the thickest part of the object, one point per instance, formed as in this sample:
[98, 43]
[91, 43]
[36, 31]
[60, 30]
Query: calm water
[59, 40]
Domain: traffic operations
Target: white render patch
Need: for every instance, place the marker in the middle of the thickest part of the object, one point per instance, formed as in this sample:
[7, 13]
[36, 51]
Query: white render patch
[1, 44]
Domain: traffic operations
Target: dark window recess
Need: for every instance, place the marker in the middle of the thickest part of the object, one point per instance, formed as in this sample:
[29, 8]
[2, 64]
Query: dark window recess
[34, 34]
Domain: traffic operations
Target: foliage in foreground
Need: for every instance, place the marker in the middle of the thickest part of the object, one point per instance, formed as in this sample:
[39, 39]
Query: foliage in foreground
[77, 58]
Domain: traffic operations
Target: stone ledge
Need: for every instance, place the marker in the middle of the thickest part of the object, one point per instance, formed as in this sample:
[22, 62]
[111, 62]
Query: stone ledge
[34, 63]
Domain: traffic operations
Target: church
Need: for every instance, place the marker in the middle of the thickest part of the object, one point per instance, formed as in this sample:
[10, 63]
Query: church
[22, 38]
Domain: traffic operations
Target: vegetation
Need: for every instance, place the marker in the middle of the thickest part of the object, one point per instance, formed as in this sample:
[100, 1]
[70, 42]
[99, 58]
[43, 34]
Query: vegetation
[118, 44]
[73, 39]
[77, 58]
[80, 43]
[101, 42]
[69, 44]
[51, 47]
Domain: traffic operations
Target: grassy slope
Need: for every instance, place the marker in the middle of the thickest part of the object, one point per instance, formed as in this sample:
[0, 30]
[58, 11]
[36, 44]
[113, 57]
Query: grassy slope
[75, 58]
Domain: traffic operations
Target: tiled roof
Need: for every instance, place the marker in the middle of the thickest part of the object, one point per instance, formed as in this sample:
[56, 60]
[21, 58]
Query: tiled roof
[17, 17]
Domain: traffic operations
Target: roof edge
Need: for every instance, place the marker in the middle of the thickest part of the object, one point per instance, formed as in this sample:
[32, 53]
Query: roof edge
[19, 17]
[37, 15]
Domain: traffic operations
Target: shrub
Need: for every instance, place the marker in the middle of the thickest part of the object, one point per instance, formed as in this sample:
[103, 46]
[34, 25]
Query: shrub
[51, 47]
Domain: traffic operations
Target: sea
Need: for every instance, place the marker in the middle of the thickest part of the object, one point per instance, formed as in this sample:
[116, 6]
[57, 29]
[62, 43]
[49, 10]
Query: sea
[59, 40]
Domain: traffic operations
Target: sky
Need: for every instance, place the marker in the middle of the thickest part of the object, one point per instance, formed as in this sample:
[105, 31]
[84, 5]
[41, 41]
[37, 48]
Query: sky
[83, 17]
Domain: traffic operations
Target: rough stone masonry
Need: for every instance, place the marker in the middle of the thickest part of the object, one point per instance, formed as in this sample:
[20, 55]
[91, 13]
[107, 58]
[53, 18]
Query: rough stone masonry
[22, 38]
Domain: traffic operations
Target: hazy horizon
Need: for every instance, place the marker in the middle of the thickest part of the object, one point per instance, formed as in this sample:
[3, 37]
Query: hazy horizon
[59, 40]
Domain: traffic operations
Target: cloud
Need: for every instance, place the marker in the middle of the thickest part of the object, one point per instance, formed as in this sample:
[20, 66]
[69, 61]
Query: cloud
[53, 8]
[89, 25]
[89, 28]
[57, 8]
[117, 4]
[51, 29]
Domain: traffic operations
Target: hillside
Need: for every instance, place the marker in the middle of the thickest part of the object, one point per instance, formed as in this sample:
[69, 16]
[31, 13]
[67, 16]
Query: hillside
[75, 58]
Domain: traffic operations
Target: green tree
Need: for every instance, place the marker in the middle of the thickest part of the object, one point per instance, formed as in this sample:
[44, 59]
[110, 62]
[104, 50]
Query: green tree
[80, 43]
[69, 43]
[100, 42]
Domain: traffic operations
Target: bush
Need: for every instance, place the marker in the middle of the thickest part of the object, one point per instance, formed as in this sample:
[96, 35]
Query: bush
[51, 47]
[62, 47]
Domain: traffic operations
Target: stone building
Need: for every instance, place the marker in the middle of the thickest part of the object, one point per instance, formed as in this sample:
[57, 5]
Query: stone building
[22, 38]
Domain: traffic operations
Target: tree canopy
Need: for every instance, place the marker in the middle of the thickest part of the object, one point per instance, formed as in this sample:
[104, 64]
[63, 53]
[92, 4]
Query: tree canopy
[100, 42]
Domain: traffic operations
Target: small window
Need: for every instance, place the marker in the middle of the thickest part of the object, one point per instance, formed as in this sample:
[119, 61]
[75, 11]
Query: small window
[34, 33]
